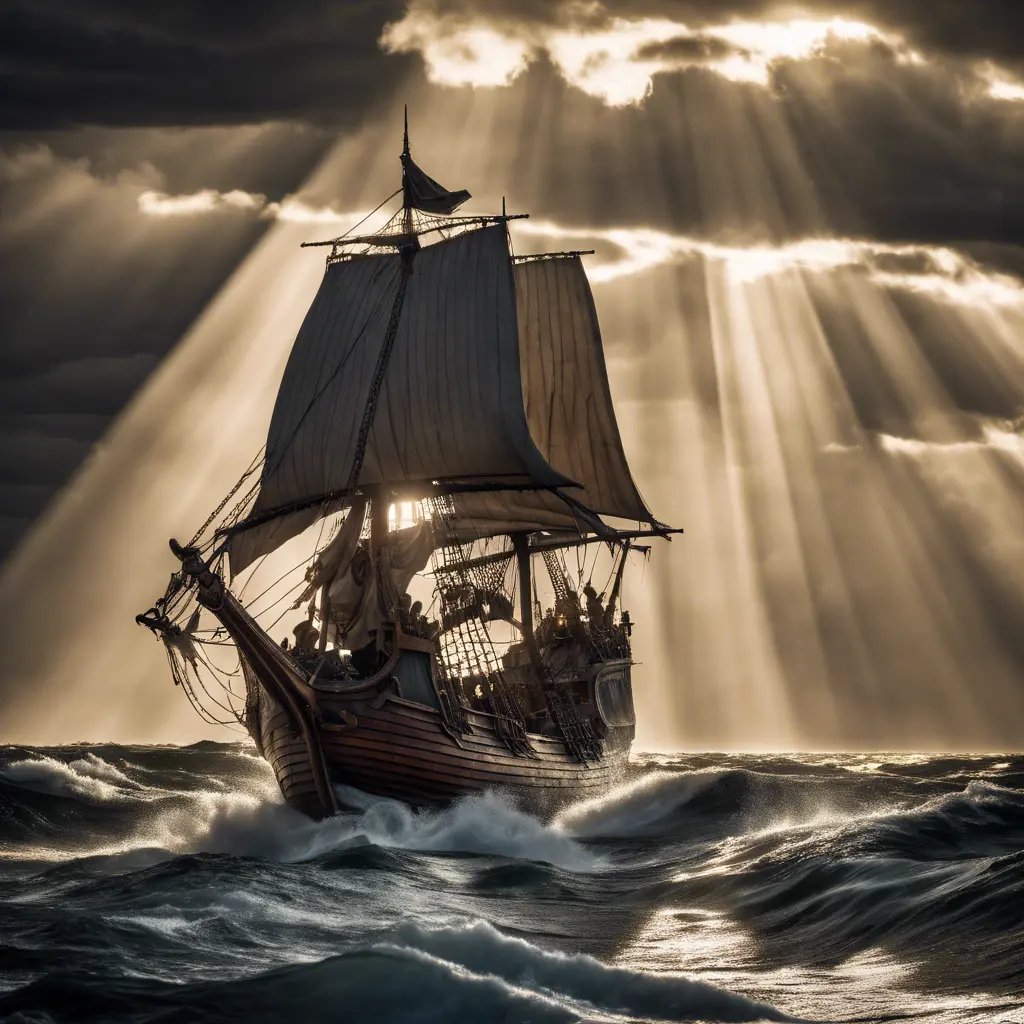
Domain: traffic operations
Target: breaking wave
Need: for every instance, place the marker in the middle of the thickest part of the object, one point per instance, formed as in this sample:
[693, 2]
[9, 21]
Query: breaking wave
[258, 824]
[88, 778]
[467, 972]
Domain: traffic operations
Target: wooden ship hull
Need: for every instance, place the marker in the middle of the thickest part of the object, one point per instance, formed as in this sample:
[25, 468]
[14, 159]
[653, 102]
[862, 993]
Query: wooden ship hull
[378, 741]
[393, 734]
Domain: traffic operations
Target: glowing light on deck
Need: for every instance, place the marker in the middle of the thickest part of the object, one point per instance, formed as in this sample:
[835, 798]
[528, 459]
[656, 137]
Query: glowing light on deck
[403, 514]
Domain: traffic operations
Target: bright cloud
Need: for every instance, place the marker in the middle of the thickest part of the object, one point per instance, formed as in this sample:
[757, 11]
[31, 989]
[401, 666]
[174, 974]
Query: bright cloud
[458, 54]
[1001, 85]
[939, 271]
[292, 209]
[617, 59]
[158, 204]
[999, 435]
[935, 270]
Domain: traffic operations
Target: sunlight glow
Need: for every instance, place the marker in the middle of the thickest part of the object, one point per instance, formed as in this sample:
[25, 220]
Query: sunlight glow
[936, 270]
[834, 587]
[1002, 85]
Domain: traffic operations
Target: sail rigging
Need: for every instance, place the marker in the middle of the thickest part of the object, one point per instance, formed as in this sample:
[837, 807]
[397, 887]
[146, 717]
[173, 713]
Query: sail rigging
[449, 369]
[450, 404]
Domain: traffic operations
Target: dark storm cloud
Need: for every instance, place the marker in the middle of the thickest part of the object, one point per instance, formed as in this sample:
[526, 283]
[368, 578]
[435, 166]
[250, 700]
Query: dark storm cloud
[690, 49]
[63, 63]
[71, 232]
[994, 30]
[93, 385]
[92, 296]
[266, 159]
[862, 146]
[904, 151]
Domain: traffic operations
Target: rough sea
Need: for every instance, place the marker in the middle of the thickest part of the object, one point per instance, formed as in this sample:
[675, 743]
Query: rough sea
[162, 884]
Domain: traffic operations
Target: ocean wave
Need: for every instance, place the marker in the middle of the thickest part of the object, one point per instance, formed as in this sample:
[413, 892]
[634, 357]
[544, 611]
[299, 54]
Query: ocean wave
[468, 971]
[255, 822]
[90, 778]
[705, 805]
[483, 824]
[480, 947]
[983, 819]
[900, 879]
[174, 897]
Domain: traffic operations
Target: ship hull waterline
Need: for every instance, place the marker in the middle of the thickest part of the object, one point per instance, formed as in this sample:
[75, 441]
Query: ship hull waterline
[390, 746]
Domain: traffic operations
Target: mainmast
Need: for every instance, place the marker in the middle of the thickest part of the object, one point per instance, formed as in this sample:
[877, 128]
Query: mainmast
[406, 207]
[521, 545]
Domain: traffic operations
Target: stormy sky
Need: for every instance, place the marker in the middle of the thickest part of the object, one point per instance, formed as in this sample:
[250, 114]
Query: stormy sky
[809, 225]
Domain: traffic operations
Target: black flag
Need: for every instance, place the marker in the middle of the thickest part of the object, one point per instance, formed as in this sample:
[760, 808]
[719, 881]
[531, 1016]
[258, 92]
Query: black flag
[423, 193]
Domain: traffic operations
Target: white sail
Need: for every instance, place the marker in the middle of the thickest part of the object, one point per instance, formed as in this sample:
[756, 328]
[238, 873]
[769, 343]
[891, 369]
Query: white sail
[450, 406]
[565, 386]
[569, 410]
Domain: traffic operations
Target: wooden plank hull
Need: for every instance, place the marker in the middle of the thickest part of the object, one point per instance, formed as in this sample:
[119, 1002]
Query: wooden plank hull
[386, 734]
[385, 744]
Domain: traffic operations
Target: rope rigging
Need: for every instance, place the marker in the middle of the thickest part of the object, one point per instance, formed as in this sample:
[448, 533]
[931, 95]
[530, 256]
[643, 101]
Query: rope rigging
[468, 645]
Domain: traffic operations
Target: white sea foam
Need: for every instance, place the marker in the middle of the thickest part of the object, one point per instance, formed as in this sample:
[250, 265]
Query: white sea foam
[255, 822]
[484, 824]
[91, 779]
[96, 768]
[636, 808]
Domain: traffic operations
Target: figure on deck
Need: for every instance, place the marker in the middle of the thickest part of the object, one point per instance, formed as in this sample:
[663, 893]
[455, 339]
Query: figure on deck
[306, 636]
[595, 609]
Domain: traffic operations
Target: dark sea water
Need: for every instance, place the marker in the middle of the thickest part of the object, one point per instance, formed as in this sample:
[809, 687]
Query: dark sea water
[171, 885]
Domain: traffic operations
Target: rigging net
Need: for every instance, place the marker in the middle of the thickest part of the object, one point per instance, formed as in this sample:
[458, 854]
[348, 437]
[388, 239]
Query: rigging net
[577, 731]
[467, 648]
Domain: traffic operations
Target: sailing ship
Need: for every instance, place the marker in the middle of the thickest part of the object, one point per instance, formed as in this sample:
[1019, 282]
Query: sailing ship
[440, 379]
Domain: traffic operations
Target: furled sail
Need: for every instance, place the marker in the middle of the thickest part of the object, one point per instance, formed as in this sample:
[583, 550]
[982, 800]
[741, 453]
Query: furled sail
[450, 407]
[493, 513]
